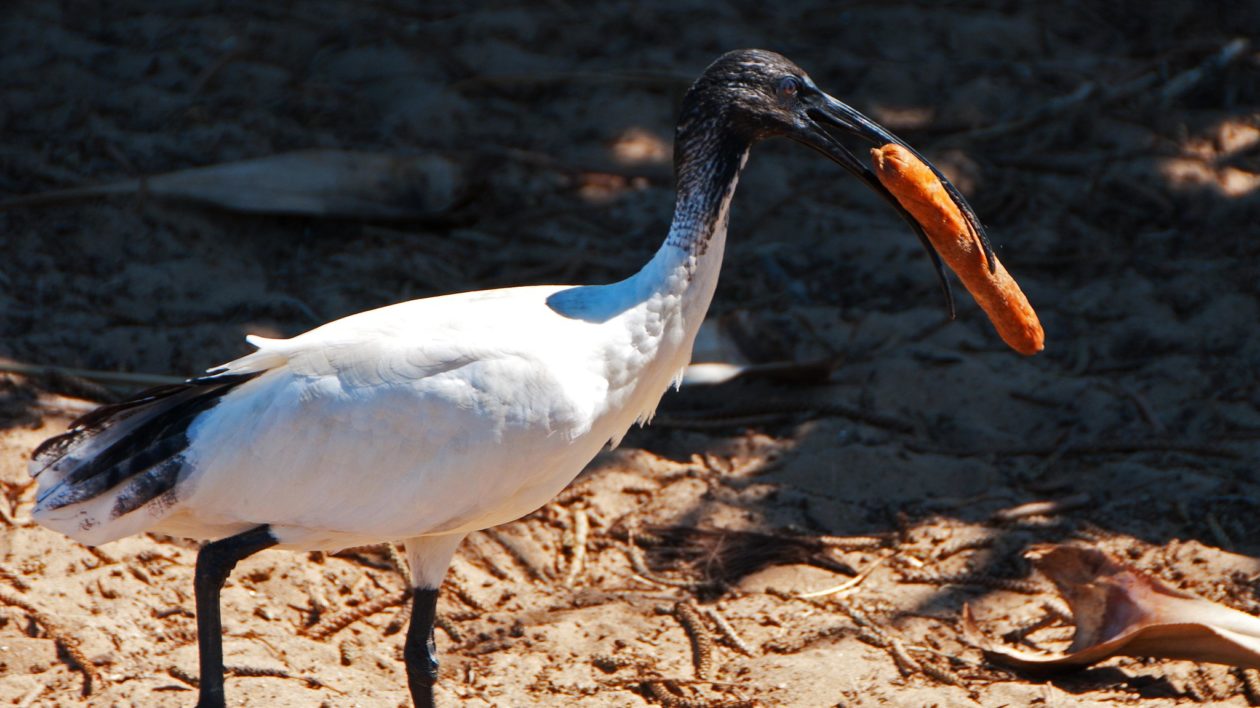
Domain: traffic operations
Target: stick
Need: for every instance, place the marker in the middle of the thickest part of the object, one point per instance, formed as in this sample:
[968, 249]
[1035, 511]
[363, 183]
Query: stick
[341, 620]
[701, 639]
[849, 586]
[1098, 448]
[853, 543]
[458, 587]
[518, 553]
[106, 377]
[645, 78]
[1027, 587]
[1174, 87]
[399, 563]
[727, 633]
[906, 664]
[1188, 79]
[269, 672]
[1042, 508]
[767, 411]
[581, 531]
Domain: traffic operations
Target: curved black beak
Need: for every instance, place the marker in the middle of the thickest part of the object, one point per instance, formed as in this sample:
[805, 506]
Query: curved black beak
[822, 109]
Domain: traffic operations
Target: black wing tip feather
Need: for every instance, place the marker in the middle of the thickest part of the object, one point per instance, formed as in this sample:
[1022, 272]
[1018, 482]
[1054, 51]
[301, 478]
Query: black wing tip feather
[149, 454]
[96, 419]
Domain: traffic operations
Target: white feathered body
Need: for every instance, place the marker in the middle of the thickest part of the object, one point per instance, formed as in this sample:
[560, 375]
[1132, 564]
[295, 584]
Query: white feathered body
[430, 417]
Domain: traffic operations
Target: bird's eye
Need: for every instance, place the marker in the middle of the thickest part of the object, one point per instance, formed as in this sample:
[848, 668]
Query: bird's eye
[789, 86]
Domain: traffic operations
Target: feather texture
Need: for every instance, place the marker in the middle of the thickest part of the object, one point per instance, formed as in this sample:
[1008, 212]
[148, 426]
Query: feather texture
[424, 419]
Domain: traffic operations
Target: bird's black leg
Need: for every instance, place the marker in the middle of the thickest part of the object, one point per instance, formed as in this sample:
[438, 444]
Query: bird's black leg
[420, 652]
[214, 563]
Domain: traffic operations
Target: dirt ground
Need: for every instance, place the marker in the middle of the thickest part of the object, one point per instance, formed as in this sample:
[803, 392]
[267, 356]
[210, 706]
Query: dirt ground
[1122, 192]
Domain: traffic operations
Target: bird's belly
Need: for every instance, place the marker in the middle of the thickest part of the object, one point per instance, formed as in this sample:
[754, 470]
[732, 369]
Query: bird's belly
[385, 469]
[393, 498]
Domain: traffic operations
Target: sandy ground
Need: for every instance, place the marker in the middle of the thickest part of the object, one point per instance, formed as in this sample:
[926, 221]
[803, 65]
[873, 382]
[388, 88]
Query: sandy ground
[1129, 217]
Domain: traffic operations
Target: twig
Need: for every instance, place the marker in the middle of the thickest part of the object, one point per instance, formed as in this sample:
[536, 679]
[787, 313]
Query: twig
[399, 563]
[768, 410]
[853, 543]
[1059, 609]
[1051, 109]
[318, 602]
[796, 643]
[1027, 587]
[1042, 508]
[104, 557]
[646, 78]
[906, 664]
[1188, 79]
[400, 620]
[456, 584]
[849, 586]
[1097, 448]
[577, 555]
[107, 377]
[268, 672]
[701, 639]
[958, 545]
[518, 553]
[349, 651]
[940, 673]
[727, 633]
[476, 547]
[1096, 94]
[339, 621]
[185, 676]
[659, 691]
[862, 621]
[446, 625]
[610, 664]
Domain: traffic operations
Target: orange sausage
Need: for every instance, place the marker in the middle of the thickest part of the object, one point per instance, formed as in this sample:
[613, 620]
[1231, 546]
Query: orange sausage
[921, 193]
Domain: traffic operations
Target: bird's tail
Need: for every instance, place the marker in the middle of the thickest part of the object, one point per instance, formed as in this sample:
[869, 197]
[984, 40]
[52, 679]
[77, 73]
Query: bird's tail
[121, 457]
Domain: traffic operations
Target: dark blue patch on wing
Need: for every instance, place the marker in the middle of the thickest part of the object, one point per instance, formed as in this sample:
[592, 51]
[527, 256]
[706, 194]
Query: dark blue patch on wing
[587, 302]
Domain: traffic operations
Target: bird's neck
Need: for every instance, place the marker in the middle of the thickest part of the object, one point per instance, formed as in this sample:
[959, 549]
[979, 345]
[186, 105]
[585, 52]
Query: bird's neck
[674, 289]
[684, 270]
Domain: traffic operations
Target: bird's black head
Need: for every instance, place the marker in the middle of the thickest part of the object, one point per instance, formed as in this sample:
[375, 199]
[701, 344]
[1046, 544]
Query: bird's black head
[752, 94]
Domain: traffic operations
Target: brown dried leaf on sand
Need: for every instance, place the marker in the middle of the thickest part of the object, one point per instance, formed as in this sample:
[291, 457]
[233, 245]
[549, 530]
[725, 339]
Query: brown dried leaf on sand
[1122, 611]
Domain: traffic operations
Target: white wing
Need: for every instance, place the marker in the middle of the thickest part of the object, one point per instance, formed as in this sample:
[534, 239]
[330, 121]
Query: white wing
[424, 417]
[436, 415]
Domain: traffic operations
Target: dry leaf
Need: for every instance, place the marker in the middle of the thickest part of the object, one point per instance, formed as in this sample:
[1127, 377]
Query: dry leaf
[1122, 611]
[309, 182]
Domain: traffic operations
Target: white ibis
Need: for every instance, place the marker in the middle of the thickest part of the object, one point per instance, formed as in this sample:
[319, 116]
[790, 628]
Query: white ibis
[424, 421]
